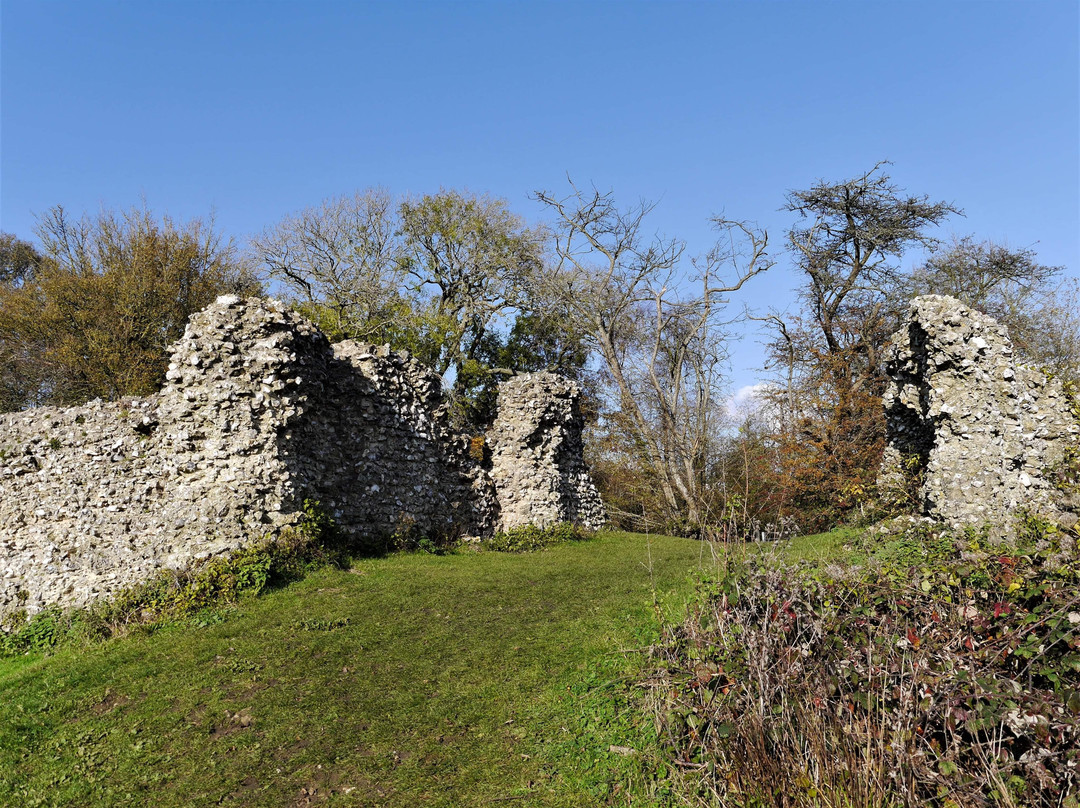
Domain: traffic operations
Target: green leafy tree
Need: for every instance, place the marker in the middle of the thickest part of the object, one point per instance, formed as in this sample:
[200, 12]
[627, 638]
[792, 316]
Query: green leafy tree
[444, 276]
[473, 261]
[18, 260]
[847, 245]
[538, 340]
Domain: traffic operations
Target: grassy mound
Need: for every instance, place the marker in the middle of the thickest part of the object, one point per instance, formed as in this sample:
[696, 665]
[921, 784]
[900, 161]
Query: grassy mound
[416, 679]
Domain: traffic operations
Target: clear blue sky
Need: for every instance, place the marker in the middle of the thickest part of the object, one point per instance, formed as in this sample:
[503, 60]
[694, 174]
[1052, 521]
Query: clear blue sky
[257, 109]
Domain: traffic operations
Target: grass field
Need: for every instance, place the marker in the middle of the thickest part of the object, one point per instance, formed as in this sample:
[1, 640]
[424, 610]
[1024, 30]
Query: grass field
[413, 680]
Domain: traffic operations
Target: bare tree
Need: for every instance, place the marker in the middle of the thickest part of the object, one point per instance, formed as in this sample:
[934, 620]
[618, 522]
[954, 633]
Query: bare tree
[661, 344]
[341, 261]
[1055, 346]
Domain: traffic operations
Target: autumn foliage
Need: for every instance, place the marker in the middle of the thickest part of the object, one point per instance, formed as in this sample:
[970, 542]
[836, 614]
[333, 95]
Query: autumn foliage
[103, 298]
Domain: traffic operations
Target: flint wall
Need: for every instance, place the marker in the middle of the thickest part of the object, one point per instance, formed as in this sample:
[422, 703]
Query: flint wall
[258, 414]
[972, 436]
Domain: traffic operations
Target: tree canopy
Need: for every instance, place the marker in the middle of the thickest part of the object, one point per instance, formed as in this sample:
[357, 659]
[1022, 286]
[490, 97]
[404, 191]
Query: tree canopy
[467, 286]
[447, 276]
[105, 298]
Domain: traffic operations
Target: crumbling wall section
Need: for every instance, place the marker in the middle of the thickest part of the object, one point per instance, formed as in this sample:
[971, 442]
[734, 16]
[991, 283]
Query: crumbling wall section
[98, 497]
[376, 450]
[971, 436]
[537, 465]
[259, 412]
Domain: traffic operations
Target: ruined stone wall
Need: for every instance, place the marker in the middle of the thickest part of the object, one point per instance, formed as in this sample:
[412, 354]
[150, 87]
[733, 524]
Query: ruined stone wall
[971, 435]
[258, 414]
[375, 449]
[536, 455]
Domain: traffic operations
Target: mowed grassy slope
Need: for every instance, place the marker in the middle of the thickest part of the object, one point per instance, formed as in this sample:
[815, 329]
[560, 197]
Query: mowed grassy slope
[460, 680]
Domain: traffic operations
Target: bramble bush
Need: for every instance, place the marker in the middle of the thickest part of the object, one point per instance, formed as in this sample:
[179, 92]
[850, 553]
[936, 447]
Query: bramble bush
[944, 672]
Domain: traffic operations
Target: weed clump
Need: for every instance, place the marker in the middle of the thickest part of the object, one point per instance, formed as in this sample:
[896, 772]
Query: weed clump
[408, 537]
[526, 538]
[945, 672]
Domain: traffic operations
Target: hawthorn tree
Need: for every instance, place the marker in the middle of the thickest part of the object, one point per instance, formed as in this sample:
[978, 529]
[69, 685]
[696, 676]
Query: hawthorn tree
[847, 244]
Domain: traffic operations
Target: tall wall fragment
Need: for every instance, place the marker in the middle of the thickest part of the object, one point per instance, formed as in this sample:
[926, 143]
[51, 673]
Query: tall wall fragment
[971, 436]
[537, 466]
[259, 413]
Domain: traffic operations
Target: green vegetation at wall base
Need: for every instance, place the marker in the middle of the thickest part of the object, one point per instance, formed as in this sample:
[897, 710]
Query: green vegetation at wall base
[191, 596]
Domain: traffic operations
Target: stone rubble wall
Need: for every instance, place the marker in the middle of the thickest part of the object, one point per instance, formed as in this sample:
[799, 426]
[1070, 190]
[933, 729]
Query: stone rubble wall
[375, 450]
[971, 436]
[537, 465]
[259, 413]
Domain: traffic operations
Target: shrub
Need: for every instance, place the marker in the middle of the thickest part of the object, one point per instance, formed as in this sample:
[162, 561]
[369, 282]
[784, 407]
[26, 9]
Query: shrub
[409, 538]
[940, 674]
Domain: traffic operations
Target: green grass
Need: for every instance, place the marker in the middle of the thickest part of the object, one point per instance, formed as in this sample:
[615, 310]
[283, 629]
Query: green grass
[820, 547]
[413, 680]
[408, 680]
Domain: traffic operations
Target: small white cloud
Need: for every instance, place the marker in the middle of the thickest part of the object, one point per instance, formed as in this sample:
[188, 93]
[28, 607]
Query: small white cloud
[746, 399]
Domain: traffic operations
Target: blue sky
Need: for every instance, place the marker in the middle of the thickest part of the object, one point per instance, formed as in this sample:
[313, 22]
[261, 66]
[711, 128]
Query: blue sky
[256, 109]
